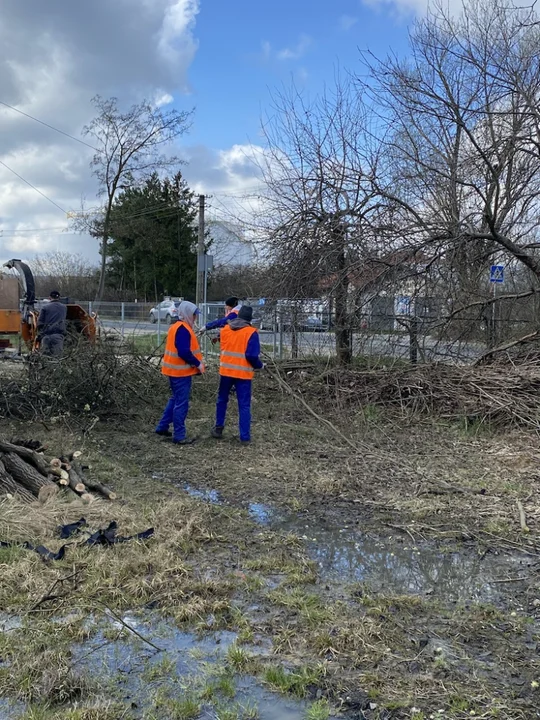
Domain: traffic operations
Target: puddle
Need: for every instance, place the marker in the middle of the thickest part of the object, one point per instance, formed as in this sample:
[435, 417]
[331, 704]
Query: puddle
[187, 665]
[9, 622]
[262, 514]
[389, 564]
[211, 496]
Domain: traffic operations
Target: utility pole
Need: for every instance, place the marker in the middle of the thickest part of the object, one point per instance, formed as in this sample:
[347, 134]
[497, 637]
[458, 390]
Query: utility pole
[200, 254]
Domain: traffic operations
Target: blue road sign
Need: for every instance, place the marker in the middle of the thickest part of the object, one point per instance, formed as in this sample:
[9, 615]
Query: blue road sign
[496, 274]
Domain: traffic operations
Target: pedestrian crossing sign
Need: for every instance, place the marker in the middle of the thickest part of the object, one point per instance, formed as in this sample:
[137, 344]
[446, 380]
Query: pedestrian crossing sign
[496, 274]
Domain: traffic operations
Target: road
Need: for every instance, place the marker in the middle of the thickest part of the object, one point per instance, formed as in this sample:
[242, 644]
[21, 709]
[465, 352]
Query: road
[323, 343]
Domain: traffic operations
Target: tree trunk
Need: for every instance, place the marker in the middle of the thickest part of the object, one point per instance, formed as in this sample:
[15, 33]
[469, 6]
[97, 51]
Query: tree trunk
[343, 331]
[29, 456]
[104, 241]
[94, 484]
[8, 485]
[25, 474]
[76, 484]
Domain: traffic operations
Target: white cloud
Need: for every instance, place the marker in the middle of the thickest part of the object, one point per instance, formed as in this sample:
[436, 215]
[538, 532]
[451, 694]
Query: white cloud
[232, 180]
[404, 8]
[346, 22]
[54, 57]
[296, 51]
[176, 41]
[163, 99]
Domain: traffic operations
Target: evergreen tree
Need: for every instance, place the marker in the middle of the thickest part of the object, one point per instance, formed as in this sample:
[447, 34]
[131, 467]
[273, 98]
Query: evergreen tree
[153, 247]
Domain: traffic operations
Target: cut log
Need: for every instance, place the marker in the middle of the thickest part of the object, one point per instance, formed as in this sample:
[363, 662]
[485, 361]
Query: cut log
[94, 484]
[36, 445]
[29, 456]
[56, 463]
[24, 473]
[9, 485]
[57, 481]
[76, 484]
[61, 474]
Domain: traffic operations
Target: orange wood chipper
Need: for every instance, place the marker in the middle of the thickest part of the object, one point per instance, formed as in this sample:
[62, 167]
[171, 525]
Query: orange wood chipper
[21, 316]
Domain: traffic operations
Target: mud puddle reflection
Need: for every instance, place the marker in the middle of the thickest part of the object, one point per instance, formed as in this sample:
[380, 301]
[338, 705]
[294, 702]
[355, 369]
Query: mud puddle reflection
[390, 564]
[189, 667]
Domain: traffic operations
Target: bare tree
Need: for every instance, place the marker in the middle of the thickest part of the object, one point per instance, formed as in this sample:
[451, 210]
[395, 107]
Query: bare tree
[461, 140]
[321, 201]
[130, 146]
[71, 274]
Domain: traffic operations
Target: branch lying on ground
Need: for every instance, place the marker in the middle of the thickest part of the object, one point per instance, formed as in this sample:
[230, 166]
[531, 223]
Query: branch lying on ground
[506, 346]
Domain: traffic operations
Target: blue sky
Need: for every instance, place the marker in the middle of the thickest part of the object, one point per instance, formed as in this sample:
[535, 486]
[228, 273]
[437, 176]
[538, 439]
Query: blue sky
[222, 57]
[247, 49]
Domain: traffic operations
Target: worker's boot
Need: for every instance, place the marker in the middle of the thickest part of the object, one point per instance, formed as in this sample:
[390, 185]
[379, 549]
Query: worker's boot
[217, 432]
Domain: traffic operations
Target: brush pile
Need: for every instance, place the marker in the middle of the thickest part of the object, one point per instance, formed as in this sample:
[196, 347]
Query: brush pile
[25, 472]
[89, 383]
[499, 394]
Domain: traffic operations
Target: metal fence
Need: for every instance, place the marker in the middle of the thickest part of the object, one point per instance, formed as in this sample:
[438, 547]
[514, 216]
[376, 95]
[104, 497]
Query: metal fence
[426, 332]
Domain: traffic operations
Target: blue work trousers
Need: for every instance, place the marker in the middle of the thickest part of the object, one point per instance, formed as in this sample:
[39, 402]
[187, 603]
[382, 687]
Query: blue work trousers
[177, 407]
[243, 394]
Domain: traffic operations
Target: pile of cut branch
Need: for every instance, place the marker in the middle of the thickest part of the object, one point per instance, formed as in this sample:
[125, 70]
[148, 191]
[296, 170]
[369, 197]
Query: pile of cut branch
[87, 383]
[498, 395]
[25, 472]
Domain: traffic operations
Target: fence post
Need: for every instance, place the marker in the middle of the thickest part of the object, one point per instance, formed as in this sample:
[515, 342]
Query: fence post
[90, 308]
[123, 317]
[280, 323]
[158, 327]
[274, 335]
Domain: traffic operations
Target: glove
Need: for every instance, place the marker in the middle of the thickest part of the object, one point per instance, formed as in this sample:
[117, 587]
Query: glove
[202, 369]
[214, 341]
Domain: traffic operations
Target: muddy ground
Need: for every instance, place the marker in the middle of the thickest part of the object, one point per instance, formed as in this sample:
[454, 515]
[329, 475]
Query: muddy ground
[376, 569]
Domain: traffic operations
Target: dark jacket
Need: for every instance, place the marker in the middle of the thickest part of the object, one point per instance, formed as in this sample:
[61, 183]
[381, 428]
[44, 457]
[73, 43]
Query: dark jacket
[52, 319]
[221, 322]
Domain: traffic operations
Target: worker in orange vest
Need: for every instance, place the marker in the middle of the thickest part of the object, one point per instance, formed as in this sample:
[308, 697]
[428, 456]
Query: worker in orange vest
[181, 361]
[239, 358]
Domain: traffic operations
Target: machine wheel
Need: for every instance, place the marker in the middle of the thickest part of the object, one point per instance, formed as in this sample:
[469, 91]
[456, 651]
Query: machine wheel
[168, 319]
[153, 318]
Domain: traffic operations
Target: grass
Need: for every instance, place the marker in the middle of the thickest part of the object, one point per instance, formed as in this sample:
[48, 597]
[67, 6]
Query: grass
[146, 344]
[211, 568]
[320, 710]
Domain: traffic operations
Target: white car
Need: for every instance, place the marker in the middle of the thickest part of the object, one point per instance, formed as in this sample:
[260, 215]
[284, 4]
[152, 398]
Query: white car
[166, 310]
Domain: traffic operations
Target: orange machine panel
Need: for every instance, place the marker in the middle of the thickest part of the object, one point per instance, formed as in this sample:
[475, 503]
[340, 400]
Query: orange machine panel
[10, 321]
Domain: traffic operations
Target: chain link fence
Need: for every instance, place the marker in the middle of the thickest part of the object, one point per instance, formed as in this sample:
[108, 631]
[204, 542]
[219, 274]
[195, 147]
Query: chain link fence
[387, 328]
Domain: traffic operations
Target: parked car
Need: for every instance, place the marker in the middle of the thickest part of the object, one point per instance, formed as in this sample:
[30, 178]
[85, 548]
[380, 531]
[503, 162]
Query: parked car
[166, 310]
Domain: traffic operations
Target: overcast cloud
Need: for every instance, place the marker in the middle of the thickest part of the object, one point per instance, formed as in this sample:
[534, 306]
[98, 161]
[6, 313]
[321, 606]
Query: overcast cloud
[54, 57]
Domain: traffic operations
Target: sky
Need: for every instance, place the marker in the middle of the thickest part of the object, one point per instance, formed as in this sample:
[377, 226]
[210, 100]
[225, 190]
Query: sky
[224, 59]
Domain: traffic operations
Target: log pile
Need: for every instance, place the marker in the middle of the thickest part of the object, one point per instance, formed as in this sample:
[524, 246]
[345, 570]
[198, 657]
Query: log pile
[27, 473]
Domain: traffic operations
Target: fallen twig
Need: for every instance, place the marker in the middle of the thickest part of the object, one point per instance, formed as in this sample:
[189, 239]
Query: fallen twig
[522, 517]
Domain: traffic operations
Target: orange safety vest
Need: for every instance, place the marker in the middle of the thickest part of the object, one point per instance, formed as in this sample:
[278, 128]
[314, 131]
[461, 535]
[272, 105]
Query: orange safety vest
[173, 365]
[232, 361]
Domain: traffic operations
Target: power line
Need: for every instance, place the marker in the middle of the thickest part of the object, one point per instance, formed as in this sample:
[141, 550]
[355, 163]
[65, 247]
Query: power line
[51, 127]
[32, 186]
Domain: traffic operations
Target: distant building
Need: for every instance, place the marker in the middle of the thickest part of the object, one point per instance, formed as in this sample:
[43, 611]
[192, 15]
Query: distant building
[229, 244]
